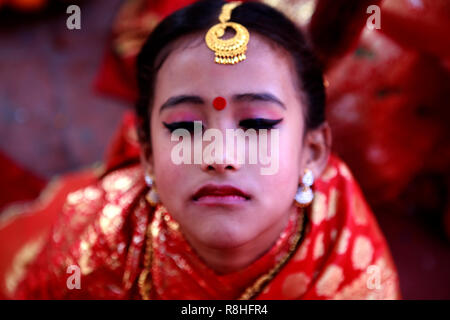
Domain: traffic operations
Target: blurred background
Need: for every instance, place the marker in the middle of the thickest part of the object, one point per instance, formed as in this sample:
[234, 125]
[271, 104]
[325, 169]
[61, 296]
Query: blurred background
[64, 94]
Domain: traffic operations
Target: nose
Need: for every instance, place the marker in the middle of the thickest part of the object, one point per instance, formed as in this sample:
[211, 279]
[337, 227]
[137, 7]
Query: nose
[219, 164]
[222, 160]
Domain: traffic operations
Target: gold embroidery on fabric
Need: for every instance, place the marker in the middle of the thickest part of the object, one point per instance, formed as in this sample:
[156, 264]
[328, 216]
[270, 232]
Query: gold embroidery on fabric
[74, 197]
[127, 274]
[362, 252]
[145, 281]
[319, 247]
[303, 250]
[298, 11]
[319, 208]
[345, 171]
[330, 281]
[295, 285]
[15, 210]
[359, 210]
[131, 35]
[23, 257]
[110, 219]
[332, 203]
[171, 223]
[88, 239]
[116, 183]
[343, 239]
[329, 173]
[359, 288]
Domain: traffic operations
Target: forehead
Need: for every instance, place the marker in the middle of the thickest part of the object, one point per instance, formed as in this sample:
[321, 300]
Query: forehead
[190, 68]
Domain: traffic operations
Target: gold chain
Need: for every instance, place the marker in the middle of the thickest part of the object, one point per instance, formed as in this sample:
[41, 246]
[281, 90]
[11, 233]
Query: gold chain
[145, 281]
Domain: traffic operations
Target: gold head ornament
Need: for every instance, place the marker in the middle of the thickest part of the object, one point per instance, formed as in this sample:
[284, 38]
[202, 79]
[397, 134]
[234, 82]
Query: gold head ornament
[228, 51]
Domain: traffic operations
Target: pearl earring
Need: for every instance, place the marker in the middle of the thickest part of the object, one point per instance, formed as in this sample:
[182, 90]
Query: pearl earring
[304, 195]
[151, 197]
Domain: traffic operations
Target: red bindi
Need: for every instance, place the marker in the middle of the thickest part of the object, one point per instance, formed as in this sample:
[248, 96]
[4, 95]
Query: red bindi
[219, 103]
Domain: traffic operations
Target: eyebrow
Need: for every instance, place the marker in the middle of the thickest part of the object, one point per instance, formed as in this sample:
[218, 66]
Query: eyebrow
[180, 99]
[242, 97]
[264, 96]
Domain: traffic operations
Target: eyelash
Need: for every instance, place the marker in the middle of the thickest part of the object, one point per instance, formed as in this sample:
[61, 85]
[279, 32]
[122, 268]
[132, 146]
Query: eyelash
[187, 125]
[259, 123]
[256, 123]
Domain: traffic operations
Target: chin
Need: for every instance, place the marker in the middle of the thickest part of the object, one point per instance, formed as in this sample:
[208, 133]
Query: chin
[224, 236]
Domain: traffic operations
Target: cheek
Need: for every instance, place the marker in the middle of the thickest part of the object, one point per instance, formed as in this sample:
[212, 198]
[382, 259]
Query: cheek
[281, 186]
[165, 170]
[161, 148]
[290, 150]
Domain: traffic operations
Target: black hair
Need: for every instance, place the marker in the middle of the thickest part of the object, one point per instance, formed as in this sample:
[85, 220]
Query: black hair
[256, 17]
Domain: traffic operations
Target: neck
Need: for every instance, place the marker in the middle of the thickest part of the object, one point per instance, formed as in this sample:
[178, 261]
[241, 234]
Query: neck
[233, 259]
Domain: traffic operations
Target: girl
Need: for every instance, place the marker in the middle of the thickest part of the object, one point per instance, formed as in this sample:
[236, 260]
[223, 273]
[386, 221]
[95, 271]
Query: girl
[220, 229]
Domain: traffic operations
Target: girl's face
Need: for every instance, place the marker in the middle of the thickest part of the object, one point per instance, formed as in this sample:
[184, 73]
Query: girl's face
[227, 205]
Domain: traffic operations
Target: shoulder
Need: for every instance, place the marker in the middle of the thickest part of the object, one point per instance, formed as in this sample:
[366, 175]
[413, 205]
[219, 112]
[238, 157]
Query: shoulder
[90, 236]
[95, 216]
[346, 244]
[337, 196]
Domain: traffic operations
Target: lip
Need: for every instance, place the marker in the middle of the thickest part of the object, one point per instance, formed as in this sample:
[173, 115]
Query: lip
[211, 194]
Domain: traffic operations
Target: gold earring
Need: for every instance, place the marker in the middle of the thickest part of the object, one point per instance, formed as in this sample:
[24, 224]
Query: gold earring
[304, 195]
[151, 196]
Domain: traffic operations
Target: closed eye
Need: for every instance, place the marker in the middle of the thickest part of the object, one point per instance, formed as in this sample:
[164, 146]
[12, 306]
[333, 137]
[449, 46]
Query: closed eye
[187, 125]
[259, 123]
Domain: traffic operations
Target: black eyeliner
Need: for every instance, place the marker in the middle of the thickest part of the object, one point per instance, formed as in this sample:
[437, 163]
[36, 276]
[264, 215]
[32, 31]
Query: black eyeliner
[259, 123]
[187, 125]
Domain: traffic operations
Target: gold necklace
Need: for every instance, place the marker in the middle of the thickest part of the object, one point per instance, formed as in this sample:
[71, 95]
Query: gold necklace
[145, 280]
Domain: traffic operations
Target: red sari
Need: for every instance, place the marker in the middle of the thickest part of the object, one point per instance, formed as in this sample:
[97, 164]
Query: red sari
[127, 250]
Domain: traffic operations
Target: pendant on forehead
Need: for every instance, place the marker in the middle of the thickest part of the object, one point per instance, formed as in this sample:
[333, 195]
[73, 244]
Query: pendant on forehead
[228, 51]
